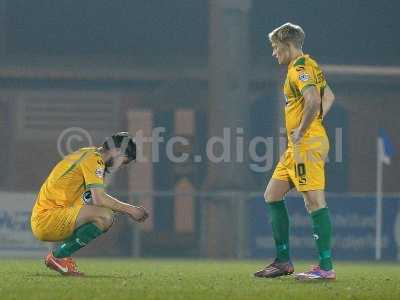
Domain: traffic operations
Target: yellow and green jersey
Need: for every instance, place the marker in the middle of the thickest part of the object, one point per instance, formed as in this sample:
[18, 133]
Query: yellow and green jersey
[70, 178]
[302, 72]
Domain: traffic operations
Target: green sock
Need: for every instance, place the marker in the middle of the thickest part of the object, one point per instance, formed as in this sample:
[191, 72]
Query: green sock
[80, 238]
[279, 219]
[322, 235]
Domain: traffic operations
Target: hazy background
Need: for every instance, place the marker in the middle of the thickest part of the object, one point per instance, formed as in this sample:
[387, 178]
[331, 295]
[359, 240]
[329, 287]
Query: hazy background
[194, 67]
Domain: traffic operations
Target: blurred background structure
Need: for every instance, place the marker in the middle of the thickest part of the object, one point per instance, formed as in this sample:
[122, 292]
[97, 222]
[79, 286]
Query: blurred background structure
[194, 67]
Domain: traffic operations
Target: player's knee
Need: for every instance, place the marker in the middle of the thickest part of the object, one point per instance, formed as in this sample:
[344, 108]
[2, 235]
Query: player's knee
[308, 207]
[269, 195]
[315, 205]
[104, 220]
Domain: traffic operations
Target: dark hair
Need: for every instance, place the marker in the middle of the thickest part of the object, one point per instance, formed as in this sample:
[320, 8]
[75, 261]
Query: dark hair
[123, 141]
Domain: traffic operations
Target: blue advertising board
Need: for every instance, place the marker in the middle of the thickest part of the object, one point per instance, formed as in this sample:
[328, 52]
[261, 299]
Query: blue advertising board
[16, 237]
[353, 220]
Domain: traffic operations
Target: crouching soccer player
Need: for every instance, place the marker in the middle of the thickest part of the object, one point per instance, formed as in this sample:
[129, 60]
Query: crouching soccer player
[60, 213]
[308, 99]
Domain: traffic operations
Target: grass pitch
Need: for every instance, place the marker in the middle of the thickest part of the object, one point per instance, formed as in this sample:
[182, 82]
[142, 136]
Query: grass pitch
[114, 279]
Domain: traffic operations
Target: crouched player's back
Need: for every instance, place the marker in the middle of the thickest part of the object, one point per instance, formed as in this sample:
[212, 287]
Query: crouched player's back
[61, 194]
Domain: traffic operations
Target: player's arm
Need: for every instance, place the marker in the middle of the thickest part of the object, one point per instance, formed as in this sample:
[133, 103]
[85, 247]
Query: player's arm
[303, 77]
[93, 173]
[101, 198]
[312, 104]
[327, 100]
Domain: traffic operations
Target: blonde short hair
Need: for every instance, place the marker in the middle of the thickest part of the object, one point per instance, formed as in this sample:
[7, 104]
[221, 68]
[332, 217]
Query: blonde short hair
[288, 32]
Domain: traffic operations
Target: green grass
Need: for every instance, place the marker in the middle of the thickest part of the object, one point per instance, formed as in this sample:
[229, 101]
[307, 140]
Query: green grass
[190, 279]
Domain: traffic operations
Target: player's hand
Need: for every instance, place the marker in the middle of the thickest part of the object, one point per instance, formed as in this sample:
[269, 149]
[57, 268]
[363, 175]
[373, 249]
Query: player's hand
[138, 213]
[296, 136]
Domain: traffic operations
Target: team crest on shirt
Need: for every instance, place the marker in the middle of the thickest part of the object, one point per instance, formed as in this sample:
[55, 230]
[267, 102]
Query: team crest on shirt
[304, 76]
[100, 172]
[87, 197]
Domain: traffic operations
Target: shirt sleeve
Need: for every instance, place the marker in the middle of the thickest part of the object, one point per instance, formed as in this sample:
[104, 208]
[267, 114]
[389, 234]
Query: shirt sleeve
[303, 76]
[93, 172]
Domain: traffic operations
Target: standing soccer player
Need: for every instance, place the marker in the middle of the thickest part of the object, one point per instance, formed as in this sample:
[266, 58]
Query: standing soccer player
[308, 99]
[60, 213]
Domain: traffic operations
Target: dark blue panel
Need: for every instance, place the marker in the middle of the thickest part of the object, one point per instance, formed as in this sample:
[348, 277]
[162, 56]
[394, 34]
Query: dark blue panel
[353, 220]
[163, 175]
[263, 123]
[336, 170]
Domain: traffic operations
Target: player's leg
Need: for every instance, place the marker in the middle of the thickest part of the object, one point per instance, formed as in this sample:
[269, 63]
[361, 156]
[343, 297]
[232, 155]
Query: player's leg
[278, 216]
[314, 200]
[80, 226]
[322, 227]
[322, 233]
[91, 222]
[274, 194]
[309, 177]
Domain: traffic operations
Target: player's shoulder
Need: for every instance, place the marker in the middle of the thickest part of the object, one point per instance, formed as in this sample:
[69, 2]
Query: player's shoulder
[88, 151]
[90, 154]
[304, 62]
[311, 61]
